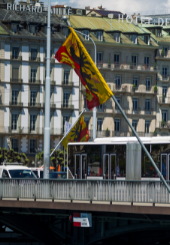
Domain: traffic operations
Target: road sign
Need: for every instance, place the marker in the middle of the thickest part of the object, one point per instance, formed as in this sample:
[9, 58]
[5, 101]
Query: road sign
[82, 219]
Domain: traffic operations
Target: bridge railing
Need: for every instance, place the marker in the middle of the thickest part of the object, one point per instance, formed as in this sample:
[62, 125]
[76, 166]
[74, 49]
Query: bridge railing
[85, 190]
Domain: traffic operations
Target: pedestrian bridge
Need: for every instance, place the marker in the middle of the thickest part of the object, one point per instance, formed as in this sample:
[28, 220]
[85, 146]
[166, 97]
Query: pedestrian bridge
[110, 193]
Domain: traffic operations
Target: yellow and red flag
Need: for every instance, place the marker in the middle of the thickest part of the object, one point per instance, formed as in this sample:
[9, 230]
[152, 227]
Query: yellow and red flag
[73, 53]
[79, 133]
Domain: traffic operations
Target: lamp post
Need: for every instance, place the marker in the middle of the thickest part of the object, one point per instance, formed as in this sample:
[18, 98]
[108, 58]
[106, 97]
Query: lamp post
[47, 101]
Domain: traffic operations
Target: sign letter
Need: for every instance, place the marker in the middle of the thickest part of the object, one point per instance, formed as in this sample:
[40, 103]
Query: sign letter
[121, 18]
[9, 6]
[127, 19]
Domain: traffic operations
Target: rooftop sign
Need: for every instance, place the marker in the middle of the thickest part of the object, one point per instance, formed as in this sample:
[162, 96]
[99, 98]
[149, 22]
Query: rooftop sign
[22, 7]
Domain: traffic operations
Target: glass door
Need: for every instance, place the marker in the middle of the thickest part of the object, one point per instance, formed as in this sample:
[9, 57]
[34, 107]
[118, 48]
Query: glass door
[77, 167]
[112, 171]
[106, 166]
[164, 165]
[84, 166]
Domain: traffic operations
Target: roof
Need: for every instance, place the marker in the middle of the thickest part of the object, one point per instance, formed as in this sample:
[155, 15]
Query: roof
[97, 23]
[125, 140]
[11, 167]
[104, 13]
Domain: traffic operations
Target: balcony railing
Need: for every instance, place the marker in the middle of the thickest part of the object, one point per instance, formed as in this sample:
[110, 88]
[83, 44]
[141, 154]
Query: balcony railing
[16, 57]
[163, 77]
[130, 134]
[164, 124]
[143, 89]
[16, 80]
[15, 104]
[164, 100]
[136, 110]
[149, 111]
[29, 130]
[34, 81]
[32, 104]
[126, 66]
[165, 55]
[100, 133]
[34, 58]
[64, 83]
[67, 106]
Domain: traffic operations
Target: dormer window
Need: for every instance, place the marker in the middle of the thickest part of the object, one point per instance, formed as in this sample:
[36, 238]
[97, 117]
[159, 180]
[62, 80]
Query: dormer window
[100, 36]
[32, 29]
[134, 39]
[65, 32]
[14, 28]
[147, 39]
[86, 32]
[117, 37]
[158, 32]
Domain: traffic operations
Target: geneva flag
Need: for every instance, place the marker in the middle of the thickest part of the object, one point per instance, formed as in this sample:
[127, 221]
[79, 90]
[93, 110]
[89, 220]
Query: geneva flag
[73, 53]
[79, 133]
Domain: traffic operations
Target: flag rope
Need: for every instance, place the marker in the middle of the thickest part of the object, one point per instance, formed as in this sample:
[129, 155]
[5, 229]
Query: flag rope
[67, 132]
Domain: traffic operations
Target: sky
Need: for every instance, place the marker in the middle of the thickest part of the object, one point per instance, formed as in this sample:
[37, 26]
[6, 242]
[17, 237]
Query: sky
[124, 6]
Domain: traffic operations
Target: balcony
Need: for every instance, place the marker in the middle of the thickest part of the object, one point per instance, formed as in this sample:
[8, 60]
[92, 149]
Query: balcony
[67, 106]
[164, 100]
[67, 84]
[149, 111]
[143, 89]
[136, 110]
[16, 80]
[28, 130]
[34, 81]
[34, 58]
[15, 104]
[163, 77]
[164, 55]
[127, 66]
[101, 108]
[32, 104]
[164, 125]
[99, 134]
[120, 88]
[16, 57]
[130, 134]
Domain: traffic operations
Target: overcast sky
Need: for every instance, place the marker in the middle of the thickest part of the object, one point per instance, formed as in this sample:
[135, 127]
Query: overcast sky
[124, 6]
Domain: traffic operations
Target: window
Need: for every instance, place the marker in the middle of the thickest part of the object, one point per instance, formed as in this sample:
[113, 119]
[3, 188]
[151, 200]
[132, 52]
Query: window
[14, 97]
[85, 102]
[33, 96]
[118, 100]
[66, 77]
[164, 91]
[147, 40]
[164, 72]
[99, 124]
[33, 75]
[100, 36]
[135, 104]
[32, 122]
[134, 39]
[32, 145]
[99, 57]
[86, 32]
[14, 144]
[5, 174]
[32, 29]
[65, 32]
[165, 51]
[65, 119]
[14, 28]
[66, 99]
[147, 124]
[164, 116]
[159, 32]
[134, 124]
[117, 37]
[15, 52]
[134, 60]
[118, 82]
[100, 107]
[15, 73]
[135, 82]
[14, 121]
[148, 84]
[117, 125]
[147, 105]
[146, 61]
[116, 59]
[33, 54]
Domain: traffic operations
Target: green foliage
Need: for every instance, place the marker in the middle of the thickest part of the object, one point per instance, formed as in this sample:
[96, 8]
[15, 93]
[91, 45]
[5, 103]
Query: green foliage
[134, 85]
[155, 88]
[12, 156]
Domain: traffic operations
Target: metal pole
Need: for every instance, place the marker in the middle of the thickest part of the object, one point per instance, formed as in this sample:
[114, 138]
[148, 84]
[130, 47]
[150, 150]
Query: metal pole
[64, 159]
[94, 109]
[47, 101]
[67, 132]
[142, 145]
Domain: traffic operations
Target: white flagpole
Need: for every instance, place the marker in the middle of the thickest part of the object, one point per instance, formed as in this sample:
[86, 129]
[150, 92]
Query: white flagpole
[67, 133]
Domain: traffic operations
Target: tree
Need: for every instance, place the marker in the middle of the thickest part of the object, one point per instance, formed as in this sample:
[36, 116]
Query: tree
[12, 156]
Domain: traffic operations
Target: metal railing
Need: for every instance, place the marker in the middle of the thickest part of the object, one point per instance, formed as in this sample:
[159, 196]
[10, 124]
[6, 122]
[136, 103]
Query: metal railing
[28, 130]
[163, 77]
[85, 190]
[34, 58]
[67, 106]
[16, 80]
[126, 66]
[164, 100]
[67, 84]
[16, 57]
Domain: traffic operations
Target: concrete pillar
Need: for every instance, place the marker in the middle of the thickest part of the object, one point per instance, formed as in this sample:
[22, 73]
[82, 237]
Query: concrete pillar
[133, 161]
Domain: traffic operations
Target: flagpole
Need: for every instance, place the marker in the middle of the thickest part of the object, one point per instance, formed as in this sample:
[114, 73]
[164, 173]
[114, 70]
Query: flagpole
[47, 101]
[142, 145]
[67, 132]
